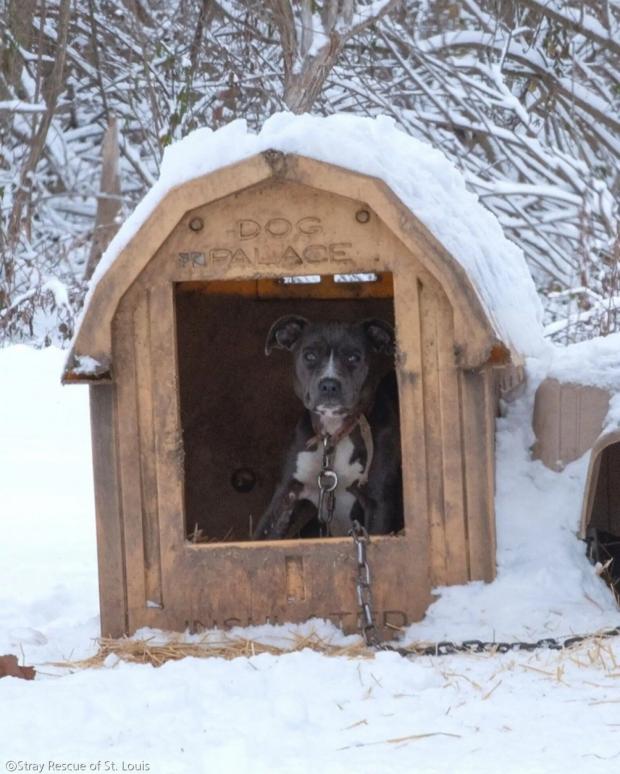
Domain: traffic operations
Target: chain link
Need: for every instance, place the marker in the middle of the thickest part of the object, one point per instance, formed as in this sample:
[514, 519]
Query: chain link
[448, 648]
[327, 480]
[367, 625]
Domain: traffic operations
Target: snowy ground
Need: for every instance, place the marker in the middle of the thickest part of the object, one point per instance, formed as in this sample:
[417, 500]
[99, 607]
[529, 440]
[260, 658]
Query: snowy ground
[301, 712]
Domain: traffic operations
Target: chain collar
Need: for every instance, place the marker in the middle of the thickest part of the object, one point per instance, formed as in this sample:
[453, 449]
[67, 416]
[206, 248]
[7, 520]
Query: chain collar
[327, 478]
[327, 481]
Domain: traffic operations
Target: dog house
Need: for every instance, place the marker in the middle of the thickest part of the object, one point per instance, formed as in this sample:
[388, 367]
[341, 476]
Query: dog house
[190, 420]
[569, 421]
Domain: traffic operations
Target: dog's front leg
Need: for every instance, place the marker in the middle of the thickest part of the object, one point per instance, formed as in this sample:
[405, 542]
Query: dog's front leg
[364, 508]
[275, 522]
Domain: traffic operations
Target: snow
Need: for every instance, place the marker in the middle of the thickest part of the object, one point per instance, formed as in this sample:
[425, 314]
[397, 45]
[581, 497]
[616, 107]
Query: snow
[420, 175]
[370, 11]
[545, 586]
[595, 362]
[303, 711]
[18, 106]
[48, 587]
[87, 365]
[319, 39]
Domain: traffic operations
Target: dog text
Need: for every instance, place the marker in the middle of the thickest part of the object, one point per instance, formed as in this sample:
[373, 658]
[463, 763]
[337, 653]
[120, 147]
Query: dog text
[274, 242]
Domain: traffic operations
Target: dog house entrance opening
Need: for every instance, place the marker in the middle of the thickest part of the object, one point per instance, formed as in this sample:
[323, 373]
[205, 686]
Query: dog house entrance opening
[603, 532]
[253, 424]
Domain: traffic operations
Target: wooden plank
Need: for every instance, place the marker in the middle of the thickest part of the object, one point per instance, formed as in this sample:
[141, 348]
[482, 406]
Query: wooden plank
[479, 465]
[295, 578]
[129, 455]
[167, 435]
[412, 421]
[327, 288]
[429, 340]
[239, 287]
[143, 357]
[110, 543]
[454, 516]
[491, 402]
[292, 580]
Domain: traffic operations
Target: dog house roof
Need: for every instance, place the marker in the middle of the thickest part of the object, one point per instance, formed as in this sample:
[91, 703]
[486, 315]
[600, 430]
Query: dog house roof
[491, 270]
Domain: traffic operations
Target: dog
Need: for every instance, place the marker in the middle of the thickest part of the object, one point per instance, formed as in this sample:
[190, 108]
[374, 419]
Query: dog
[350, 422]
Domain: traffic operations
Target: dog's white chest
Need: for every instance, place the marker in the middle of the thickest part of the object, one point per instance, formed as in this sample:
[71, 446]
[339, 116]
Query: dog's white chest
[307, 471]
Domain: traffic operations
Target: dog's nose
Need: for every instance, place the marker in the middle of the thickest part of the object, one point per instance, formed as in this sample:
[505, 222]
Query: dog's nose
[330, 388]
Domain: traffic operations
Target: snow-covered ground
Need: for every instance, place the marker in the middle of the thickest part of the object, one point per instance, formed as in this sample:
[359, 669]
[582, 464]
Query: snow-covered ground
[300, 712]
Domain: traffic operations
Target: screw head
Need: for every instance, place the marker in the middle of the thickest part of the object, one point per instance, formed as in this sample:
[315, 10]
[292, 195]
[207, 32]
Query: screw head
[196, 224]
[362, 216]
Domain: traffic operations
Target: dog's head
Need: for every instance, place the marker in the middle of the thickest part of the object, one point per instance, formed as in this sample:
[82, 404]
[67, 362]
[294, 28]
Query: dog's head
[333, 374]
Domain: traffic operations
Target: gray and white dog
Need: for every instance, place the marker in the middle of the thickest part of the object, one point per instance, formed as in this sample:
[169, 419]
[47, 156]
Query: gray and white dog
[336, 372]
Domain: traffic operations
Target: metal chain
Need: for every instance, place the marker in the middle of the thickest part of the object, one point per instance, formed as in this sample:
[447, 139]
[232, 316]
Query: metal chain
[447, 648]
[327, 481]
[369, 631]
[367, 625]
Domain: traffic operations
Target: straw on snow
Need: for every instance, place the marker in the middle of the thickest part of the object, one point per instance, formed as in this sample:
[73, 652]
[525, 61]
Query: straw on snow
[147, 651]
[595, 651]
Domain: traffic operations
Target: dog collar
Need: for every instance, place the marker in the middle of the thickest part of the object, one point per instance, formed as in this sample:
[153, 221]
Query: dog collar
[348, 426]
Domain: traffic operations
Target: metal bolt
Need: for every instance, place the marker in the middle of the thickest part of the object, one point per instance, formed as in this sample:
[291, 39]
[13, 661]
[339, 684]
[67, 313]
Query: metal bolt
[196, 224]
[362, 216]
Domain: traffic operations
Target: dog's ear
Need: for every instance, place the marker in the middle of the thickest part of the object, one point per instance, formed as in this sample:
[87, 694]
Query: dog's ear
[380, 336]
[285, 332]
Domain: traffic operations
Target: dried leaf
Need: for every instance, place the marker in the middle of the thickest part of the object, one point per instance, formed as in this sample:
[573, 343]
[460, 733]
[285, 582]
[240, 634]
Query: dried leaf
[10, 668]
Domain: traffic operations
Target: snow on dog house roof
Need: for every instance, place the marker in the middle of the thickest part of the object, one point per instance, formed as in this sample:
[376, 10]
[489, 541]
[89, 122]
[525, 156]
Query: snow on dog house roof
[411, 186]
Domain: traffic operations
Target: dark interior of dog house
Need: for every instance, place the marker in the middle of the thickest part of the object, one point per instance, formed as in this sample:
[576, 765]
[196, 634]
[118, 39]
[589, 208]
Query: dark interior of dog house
[603, 533]
[238, 407]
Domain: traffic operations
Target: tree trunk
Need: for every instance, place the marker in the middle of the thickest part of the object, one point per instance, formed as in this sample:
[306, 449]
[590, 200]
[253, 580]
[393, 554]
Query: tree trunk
[18, 20]
[302, 89]
[109, 200]
[52, 89]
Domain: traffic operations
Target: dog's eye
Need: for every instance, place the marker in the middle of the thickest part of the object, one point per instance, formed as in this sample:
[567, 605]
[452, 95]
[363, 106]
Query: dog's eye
[353, 358]
[310, 356]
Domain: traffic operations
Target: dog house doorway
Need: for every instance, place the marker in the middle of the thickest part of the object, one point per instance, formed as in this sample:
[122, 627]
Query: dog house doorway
[238, 408]
[602, 512]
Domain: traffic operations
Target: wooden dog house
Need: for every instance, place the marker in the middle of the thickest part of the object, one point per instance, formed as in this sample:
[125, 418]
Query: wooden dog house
[189, 418]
